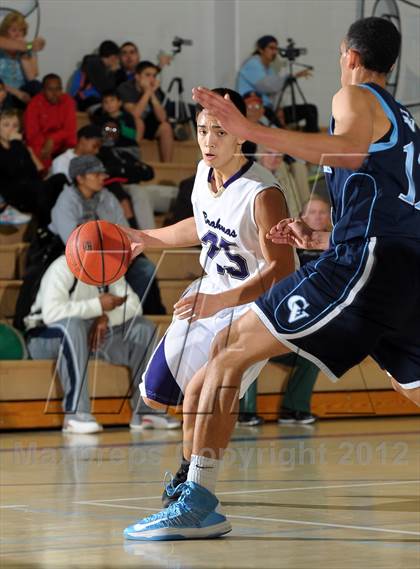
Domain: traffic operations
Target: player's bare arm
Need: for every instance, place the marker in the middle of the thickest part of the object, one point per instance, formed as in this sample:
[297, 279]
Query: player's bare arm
[268, 205]
[353, 111]
[181, 234]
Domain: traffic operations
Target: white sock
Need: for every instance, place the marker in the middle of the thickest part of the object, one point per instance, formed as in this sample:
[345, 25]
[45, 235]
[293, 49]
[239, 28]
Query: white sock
[204, 471]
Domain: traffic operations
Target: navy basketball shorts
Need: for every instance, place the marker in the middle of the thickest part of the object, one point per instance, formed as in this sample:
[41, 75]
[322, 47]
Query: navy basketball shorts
[360, 298]
[185, 348]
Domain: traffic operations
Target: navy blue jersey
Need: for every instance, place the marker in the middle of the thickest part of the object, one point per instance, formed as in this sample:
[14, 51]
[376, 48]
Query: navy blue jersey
[382, 197]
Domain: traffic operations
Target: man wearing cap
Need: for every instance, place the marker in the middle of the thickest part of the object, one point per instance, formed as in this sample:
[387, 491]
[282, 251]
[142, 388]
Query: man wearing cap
[87, 199]
[258, 74]
[136, 204]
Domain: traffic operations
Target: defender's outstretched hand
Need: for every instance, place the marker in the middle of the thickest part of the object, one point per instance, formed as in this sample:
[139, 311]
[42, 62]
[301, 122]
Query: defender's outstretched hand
[136, 240]
[229, 117]
[293, 231]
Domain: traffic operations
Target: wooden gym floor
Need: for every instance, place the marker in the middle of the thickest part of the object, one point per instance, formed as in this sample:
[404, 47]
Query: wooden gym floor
[342, 494]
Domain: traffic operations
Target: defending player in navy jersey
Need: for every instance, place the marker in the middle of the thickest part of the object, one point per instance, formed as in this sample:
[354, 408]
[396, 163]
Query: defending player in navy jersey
[360, 298]
[235, 202]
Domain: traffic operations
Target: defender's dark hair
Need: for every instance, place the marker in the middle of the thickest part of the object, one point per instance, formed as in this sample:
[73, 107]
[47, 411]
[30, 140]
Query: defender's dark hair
[50, 76]
[145, 65]
[108, 48]
[377, 41]
[235, 97]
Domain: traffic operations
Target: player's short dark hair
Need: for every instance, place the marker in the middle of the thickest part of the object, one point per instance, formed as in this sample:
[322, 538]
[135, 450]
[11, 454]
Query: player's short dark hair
[108, 48]
[234, 96]
[377, 41]
[50, 77]
[140, 67]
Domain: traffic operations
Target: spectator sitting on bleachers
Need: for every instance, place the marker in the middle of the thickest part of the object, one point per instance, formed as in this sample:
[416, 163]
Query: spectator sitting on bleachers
[255, 113]
[87, 199]
[71, 321]
[18, 59]
[292, 175]
[296, 403]
[136, 204]
[98, 73]
[89, 140]
[130, 58]
[142, 97]
[50, 121]
[257, 73]
[117, 123]
[21, 184]
[316, 213]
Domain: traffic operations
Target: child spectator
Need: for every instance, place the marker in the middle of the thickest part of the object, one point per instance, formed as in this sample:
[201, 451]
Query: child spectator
[18, 59]
[89, 141]
[142, 97]
[21, 183]
[116, 122]
[50, 121]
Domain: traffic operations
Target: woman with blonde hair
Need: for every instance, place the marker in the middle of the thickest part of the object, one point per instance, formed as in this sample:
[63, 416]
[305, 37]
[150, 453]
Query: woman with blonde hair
[18, 58]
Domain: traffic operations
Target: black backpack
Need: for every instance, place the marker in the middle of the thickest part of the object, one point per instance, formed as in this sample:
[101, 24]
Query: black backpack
[121, 163]
[44, 249]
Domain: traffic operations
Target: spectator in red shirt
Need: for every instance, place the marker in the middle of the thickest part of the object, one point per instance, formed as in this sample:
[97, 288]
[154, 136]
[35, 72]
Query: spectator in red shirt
[50, 121]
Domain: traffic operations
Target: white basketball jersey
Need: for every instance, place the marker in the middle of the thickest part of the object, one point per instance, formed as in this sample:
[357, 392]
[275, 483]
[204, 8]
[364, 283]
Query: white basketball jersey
[231, 251]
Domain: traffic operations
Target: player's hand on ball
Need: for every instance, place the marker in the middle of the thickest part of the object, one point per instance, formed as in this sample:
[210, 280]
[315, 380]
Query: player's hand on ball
[136, 240]
[292, 231]
[197, 306]
[97, 332]
[110, 301]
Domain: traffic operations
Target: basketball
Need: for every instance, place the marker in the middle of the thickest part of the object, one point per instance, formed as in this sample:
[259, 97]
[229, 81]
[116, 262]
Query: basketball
[98, 253]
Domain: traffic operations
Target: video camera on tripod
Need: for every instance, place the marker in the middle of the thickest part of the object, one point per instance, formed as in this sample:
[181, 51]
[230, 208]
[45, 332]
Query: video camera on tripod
[291, 52]
[178, 43]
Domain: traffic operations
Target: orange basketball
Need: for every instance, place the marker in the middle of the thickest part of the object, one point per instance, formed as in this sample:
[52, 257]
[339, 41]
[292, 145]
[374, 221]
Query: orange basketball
[98, 253]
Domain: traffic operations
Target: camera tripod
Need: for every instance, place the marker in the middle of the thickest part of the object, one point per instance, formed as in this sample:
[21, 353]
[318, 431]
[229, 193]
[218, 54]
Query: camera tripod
[181, 114]
[292, 84]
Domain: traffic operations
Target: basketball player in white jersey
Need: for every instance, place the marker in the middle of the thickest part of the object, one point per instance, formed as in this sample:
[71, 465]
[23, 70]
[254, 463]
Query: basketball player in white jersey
[235, 203]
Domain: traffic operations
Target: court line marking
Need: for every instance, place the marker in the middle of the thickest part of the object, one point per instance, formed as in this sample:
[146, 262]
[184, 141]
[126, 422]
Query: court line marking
[14, 506]
[267, 490]
[344, 526]
[279, 437]
[281, 520]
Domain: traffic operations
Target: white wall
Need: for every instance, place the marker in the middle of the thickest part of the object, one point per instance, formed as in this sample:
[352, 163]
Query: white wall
[223, 32]
[74, 28]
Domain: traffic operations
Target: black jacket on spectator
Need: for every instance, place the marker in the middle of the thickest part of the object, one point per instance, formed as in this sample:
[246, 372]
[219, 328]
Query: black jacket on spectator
[102, 78]
[21, 185]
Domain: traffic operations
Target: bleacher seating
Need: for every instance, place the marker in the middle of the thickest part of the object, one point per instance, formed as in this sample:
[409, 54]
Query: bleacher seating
[26, 386]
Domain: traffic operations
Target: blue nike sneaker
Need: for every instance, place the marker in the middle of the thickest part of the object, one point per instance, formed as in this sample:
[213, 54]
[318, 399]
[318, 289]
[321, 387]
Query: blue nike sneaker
[194, 516]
